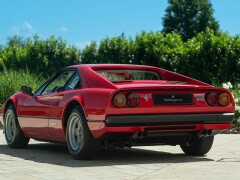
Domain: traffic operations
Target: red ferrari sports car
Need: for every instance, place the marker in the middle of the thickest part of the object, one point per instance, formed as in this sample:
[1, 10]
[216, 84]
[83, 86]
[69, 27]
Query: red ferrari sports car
[110, 105]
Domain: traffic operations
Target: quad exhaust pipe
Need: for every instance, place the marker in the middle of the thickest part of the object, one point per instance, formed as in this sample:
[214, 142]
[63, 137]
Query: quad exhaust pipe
[203, 133]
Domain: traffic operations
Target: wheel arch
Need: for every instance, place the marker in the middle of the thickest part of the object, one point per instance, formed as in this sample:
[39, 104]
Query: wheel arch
[8, 103]
[67, 110]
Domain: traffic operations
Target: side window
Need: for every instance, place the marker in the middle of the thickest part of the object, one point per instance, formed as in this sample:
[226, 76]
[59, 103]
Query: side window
[58, 82]
[74, 83]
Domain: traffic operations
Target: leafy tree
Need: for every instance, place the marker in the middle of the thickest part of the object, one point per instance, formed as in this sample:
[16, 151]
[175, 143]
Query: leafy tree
[189, 17]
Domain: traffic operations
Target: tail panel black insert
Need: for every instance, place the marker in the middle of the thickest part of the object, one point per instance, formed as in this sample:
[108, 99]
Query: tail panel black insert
[172, 99]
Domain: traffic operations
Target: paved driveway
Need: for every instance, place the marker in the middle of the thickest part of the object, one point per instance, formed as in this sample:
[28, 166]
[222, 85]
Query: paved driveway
[52, 161]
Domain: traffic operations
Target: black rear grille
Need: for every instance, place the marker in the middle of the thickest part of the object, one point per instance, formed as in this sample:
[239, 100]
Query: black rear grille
[172, 99]
[170, 128]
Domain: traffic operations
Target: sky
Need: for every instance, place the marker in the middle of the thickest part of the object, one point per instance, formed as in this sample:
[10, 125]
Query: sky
[81, 21]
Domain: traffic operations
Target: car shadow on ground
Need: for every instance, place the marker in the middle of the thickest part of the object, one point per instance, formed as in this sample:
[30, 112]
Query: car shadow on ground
[58, 154]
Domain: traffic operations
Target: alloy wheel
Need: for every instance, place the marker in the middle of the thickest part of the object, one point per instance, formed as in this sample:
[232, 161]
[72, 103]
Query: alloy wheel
[75, 132]
[10, 125]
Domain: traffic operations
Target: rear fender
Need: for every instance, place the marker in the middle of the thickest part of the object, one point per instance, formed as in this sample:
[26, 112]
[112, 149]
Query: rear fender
[77, 100]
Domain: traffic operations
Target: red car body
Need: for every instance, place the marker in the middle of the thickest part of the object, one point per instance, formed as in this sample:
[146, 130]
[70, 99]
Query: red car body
[44, 116]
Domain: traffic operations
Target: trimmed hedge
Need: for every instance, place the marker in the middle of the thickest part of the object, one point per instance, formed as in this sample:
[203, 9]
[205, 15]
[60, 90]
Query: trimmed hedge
[207, 57]
[38, 56]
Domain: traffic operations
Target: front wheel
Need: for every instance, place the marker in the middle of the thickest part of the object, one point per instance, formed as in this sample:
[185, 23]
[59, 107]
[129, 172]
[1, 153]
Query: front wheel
[13, 132]
[197, 146]
[80, 141]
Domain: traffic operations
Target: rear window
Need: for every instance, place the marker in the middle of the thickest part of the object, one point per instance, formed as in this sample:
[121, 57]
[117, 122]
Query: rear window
[116, 75]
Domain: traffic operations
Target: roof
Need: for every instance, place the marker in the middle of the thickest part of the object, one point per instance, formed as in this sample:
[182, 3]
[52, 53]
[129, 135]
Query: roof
[100, 66]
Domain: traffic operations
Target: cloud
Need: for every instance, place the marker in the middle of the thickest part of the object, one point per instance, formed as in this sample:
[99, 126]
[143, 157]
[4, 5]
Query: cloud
[63, 29]
[25, 30]
[27, 26]
[81, 45]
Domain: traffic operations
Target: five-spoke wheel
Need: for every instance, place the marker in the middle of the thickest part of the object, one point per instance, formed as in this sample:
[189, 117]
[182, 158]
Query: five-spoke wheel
[80, 141]
[74, 132]
[13, 133]
[10, 125]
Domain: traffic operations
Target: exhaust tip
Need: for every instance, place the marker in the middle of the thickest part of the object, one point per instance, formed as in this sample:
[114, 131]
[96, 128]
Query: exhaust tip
[205, 132]
[137, 135]
[144, 133]
[209, 132]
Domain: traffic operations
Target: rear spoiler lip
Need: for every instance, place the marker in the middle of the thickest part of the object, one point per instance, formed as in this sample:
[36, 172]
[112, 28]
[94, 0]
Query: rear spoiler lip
[195, 87]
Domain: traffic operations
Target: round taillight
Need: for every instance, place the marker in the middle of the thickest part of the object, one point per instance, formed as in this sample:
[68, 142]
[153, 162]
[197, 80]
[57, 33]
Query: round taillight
[133, 100]
[223, 99]
[211, 99]
[119, 100]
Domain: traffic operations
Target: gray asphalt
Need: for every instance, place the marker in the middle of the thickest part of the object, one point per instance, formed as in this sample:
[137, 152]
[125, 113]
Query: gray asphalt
[52, 161]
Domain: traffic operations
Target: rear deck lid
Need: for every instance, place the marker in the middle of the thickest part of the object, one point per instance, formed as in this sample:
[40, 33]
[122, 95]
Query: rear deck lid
[155, 84]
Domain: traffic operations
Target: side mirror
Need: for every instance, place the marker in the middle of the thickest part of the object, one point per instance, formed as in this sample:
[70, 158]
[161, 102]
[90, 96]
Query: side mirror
[26, 90]
[60, 89]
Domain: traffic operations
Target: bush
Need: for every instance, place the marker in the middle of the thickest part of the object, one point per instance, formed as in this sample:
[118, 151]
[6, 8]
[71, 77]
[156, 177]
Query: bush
[235, 90]
[39, 56]
[207, 57]
[212, 59]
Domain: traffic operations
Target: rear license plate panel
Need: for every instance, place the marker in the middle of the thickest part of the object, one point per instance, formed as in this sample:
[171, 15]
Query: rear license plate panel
[172, 99]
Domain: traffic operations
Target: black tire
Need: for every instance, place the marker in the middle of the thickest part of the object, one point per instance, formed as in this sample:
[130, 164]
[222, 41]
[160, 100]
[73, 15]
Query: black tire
[13, 133]
[80, 141]
[198, 146]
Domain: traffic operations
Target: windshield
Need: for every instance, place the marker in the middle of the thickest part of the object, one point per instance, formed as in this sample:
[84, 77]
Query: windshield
[115, 75]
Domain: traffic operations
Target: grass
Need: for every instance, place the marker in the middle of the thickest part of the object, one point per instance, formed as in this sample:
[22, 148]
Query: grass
[11, 82]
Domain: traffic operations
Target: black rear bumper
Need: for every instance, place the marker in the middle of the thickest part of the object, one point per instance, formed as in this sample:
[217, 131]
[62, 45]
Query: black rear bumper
[168, 119]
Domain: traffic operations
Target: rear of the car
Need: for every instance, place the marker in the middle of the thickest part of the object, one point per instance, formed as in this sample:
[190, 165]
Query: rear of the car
[154, 106]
